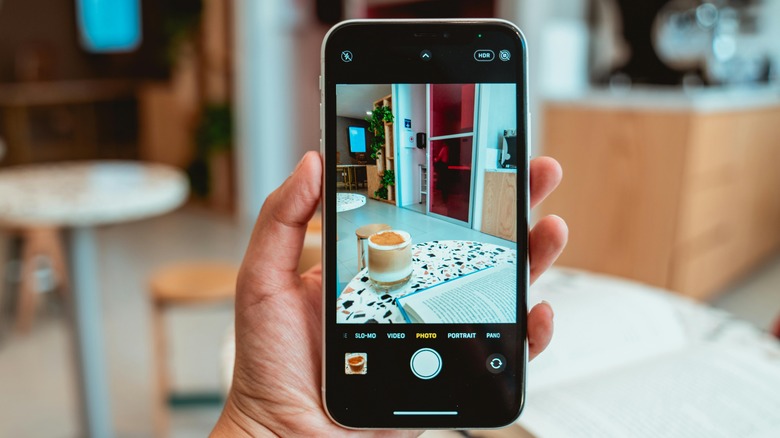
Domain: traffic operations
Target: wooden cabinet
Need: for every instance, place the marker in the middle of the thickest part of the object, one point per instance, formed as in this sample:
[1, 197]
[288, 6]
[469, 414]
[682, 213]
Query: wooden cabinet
[683, 199]
[499, 212]
[372, 179]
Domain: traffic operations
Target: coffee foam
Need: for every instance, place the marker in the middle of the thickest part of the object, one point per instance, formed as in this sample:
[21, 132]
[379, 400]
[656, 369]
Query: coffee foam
[396, 239]
[389, 238]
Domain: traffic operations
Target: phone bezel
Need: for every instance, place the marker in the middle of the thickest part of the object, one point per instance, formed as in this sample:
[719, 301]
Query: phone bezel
[524, 209]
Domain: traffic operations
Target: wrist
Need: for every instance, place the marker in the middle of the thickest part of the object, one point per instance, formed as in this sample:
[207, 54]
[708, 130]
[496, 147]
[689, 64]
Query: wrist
[235, 423]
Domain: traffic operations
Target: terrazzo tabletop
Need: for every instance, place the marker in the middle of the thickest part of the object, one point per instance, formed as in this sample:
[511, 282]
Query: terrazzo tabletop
[433, 263]
[349, 201]
[87, 193]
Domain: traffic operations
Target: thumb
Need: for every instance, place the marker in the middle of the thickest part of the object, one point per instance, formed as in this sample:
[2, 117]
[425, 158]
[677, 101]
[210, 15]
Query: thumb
[271, 259]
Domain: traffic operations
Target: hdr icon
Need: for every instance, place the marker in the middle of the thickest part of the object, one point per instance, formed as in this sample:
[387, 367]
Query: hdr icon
[484, 55]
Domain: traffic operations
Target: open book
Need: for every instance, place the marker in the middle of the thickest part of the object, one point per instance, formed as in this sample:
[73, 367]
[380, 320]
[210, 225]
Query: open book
[628, 360]
[486, 296]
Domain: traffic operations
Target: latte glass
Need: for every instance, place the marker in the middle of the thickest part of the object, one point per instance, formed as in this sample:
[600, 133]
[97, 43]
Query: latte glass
[390, 258]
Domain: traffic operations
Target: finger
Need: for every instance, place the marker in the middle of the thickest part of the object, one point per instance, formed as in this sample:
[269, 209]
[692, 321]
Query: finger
[540, 328]
[545, 176]
[545, 244]
[277, 239]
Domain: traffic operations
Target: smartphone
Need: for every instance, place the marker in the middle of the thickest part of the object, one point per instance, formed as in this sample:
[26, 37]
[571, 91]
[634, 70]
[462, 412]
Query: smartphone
[425, 223]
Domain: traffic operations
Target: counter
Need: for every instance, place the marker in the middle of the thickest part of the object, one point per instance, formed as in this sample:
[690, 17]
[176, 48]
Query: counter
[677, 190]
[704, 99]
[499, 204]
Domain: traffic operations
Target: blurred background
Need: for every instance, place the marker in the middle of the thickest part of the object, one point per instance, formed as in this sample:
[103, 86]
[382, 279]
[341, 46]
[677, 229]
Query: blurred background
[665, 115]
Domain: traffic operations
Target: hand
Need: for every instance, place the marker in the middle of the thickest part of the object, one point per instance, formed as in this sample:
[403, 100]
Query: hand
[279, 313]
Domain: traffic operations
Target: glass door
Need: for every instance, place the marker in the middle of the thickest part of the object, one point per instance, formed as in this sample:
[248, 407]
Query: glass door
[451, 151]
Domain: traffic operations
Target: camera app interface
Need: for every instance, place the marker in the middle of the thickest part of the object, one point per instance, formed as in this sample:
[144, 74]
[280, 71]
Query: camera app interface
[426, 205]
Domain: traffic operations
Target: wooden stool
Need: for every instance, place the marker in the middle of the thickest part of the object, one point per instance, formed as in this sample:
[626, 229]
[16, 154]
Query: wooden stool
[362, 234]
[183, 284]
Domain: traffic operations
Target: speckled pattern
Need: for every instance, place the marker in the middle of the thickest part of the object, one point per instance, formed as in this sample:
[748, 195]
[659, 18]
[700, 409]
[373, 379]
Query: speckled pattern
[434, 262]
[349, 201]
[84, 193]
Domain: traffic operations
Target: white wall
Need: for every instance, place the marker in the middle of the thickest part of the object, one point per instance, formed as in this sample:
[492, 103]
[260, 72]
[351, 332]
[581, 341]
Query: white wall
[534, 17]
[496, 112]
[408, 103]
[768, 23]
[276, 87]
[530, 16]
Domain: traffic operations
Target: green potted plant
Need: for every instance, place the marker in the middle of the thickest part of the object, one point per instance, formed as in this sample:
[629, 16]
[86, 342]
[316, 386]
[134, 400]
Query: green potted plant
[181, 22]
[376, 125]
[213, 163]
[386, 182]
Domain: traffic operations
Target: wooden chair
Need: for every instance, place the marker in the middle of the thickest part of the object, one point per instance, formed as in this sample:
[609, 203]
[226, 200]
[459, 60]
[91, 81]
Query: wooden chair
[181, 285]
[310, 256]
[195, 283]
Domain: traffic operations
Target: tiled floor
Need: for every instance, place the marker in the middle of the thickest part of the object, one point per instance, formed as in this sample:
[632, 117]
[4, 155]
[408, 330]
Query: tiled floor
[36, 370]
[37, 390]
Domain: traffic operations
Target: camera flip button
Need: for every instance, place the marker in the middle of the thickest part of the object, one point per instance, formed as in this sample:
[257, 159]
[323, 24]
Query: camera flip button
[426, 363]
[496, 363]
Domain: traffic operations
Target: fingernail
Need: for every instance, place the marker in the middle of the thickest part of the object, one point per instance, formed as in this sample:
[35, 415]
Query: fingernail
[300, 162]
[551, 309]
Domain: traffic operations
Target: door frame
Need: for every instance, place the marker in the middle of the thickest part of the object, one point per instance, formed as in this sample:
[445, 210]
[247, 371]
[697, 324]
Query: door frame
[474, 149]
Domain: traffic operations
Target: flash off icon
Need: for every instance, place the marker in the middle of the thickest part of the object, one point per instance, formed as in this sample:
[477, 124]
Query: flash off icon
[346, 56]
[504, 55]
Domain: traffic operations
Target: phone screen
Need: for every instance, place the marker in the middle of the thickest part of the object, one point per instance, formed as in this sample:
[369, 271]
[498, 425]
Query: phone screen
[426, 224]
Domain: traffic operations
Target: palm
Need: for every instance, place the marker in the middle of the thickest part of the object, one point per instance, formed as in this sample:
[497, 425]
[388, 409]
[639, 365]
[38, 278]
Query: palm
[277, 375]
[272, 345]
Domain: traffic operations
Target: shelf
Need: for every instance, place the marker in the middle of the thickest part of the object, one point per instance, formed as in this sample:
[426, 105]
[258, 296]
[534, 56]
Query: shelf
[387, 161]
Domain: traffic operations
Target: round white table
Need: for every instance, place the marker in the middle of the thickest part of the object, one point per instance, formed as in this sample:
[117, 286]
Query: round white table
[433, 263]
[349, 201]
[81, 196]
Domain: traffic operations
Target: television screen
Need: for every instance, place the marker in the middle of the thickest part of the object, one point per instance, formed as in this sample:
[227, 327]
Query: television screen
[357, 139]
[109, 25]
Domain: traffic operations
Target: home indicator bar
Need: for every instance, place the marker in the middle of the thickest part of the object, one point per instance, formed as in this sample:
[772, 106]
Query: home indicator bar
[425, 412]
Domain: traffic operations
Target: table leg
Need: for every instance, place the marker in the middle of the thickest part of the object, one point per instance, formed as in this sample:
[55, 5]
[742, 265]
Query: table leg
[353, 177]
[88, 328]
